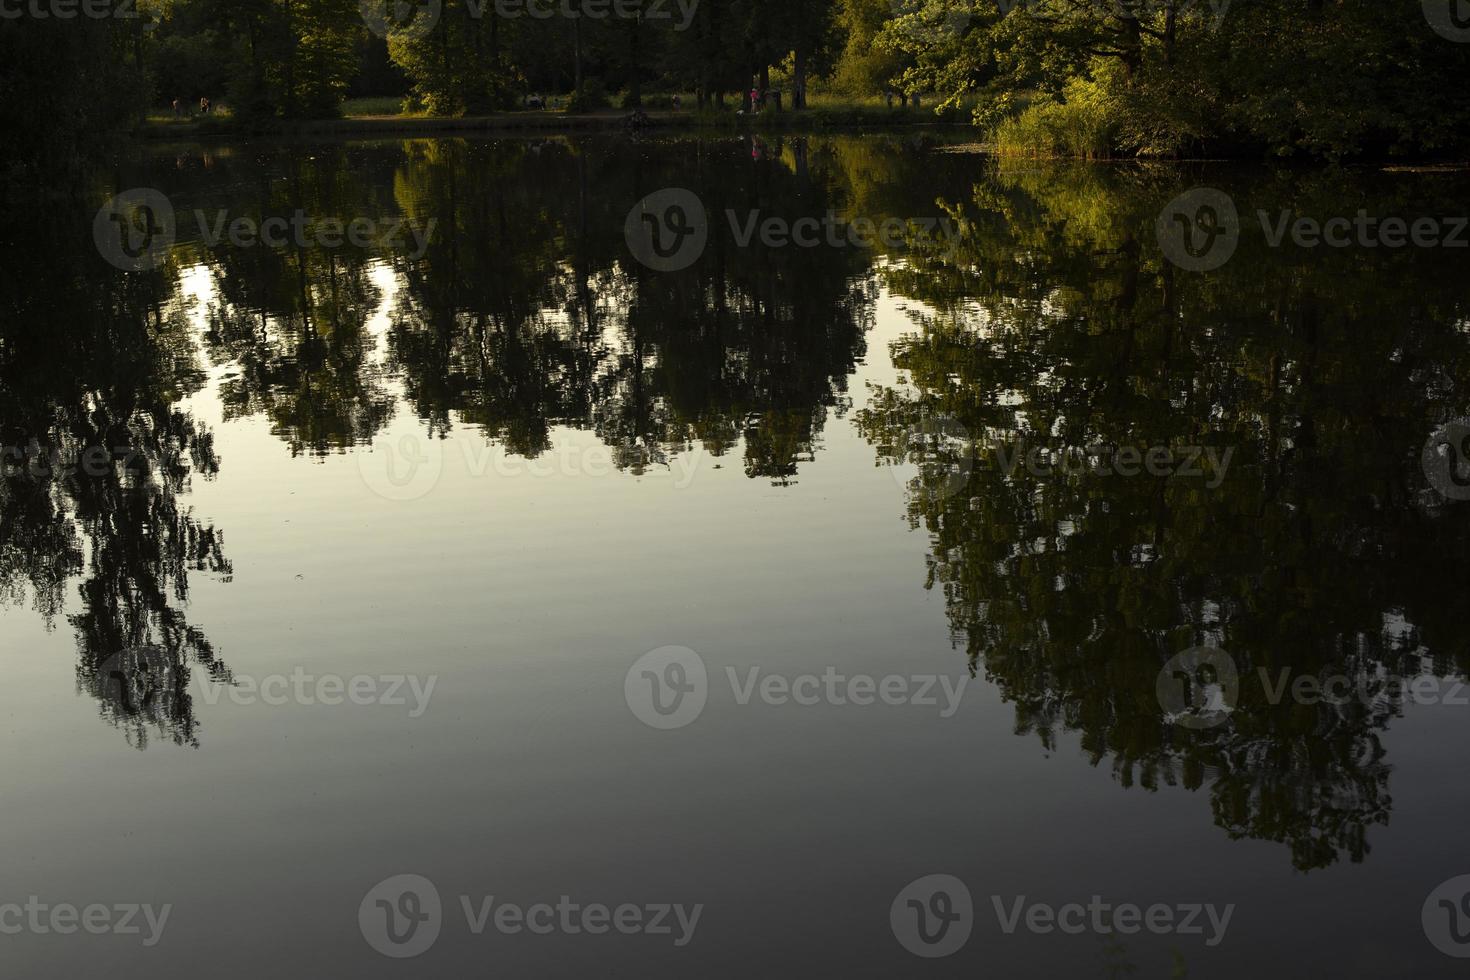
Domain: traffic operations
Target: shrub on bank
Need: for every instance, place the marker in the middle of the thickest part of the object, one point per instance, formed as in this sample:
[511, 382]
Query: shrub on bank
[1085, 123]
[592, 98]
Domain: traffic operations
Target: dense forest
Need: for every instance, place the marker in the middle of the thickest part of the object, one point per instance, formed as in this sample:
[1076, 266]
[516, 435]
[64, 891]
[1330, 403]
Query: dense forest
[1321, 79]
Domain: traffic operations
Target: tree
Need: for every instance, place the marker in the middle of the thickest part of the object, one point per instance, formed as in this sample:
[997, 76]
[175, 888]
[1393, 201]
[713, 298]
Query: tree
[69, 85]
[459, 66]
[865, 67]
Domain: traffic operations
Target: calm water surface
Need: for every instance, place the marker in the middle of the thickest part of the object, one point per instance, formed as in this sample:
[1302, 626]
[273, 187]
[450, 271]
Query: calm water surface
[326, 563]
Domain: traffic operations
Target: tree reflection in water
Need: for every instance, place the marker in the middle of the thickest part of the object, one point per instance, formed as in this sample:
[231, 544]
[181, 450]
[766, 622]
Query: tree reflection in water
[1322, 553]
[1056, 323]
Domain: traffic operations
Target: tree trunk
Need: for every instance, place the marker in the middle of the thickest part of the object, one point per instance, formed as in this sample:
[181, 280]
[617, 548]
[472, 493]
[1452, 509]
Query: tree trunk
[1171, 30]
[289, 69]
[476, 98]
[503, 94]
[1131, 46]
[798, 81]
[635, 86]
[577, 45]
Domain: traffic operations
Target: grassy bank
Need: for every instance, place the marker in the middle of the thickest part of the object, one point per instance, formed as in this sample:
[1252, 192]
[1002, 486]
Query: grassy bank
[384, 116]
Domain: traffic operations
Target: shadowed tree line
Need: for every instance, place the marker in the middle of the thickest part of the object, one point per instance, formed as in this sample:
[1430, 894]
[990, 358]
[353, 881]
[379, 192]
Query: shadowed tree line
[70, 80]
[1322, 79]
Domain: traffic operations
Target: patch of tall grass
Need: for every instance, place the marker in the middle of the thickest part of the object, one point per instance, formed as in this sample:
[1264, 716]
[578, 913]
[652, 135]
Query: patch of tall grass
[1084, 123]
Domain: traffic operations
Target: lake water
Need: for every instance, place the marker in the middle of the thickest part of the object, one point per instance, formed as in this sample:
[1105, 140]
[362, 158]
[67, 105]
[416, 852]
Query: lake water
[674, 588]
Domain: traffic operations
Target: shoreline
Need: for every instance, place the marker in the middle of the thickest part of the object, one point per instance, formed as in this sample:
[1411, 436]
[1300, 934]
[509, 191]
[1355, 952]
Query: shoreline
[552, 123]
[547, 122]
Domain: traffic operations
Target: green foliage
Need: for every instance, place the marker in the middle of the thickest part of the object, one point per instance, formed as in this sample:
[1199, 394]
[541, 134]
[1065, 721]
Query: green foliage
[320, 65]
[459, 67]
[1083, 123]
[593, 97]
[1281, 78]
[864, 67]
[1277, 77]
[382, 105]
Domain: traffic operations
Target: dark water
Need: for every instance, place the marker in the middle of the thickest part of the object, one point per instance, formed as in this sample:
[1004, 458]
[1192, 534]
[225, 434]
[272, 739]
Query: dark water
[323, 563]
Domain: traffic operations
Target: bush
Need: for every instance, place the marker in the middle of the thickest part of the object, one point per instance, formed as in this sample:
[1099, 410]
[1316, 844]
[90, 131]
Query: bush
[664, 100]
[591, 98]
[376, 105]
[1085, 124]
